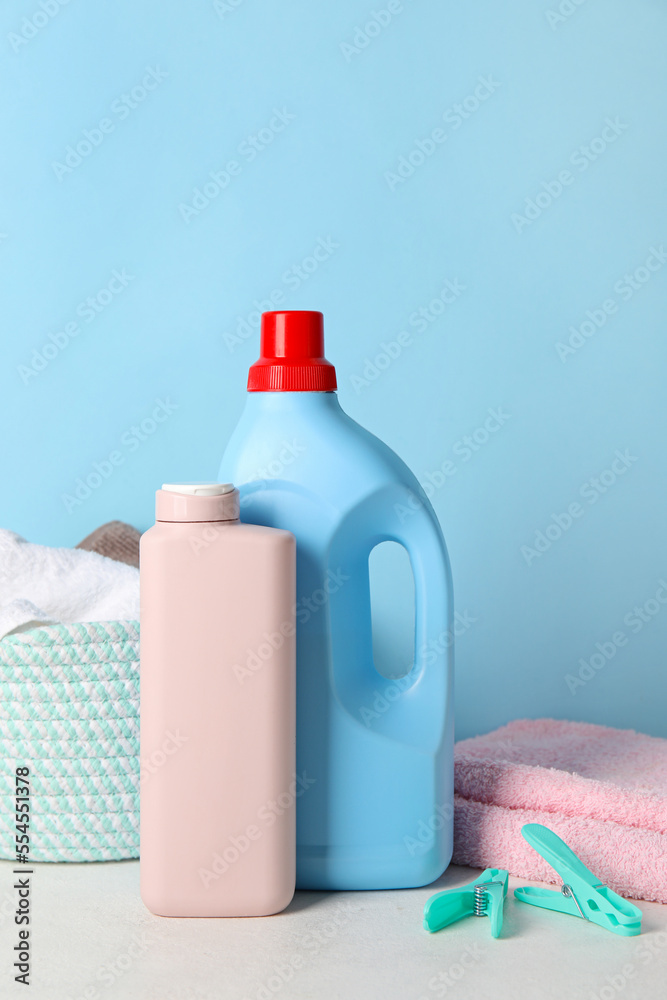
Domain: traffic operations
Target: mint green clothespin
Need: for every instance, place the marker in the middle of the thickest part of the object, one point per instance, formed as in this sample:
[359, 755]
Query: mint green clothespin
[582, 894]
[483, 897]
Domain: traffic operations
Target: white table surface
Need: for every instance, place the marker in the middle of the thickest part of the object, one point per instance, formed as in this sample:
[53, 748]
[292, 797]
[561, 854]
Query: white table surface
[94, 940]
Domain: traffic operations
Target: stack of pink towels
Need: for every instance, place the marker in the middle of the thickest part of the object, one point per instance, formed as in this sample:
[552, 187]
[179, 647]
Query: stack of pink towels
[604, 791]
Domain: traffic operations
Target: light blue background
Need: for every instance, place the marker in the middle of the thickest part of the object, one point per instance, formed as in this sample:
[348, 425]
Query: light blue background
[323, 176]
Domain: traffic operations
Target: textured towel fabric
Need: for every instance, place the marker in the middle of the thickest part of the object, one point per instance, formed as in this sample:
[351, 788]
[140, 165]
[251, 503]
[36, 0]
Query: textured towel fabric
[604, 791]
[116, 540]
[41, 585]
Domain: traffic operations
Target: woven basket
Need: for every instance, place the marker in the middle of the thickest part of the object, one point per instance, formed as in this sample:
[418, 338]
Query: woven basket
[69, 710]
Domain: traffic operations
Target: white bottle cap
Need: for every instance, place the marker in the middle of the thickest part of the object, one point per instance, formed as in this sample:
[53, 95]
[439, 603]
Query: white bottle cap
[199, 489]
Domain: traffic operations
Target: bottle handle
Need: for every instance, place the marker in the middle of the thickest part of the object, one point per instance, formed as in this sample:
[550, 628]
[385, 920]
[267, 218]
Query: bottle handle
[416, 707]
[420, 534]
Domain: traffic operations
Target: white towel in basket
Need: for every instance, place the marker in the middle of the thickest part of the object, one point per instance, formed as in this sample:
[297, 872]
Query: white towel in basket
[40, 585]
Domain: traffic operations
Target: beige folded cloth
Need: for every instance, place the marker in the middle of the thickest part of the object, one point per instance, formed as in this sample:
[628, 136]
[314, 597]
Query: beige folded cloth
[116, 540]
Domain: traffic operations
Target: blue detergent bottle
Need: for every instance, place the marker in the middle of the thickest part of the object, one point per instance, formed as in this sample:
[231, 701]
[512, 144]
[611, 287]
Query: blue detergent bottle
[375, 787]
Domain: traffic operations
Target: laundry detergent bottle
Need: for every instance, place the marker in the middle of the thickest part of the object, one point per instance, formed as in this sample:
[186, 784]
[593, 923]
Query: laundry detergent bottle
[374, 755]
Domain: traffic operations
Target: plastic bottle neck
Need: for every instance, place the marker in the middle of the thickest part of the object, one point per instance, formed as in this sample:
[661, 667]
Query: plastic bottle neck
[289, 402]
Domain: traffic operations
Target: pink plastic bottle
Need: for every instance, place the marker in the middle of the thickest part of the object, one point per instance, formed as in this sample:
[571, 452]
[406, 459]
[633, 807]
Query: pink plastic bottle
[218, 783]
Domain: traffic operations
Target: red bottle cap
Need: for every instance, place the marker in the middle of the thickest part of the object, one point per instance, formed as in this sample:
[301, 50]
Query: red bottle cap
[292, 355]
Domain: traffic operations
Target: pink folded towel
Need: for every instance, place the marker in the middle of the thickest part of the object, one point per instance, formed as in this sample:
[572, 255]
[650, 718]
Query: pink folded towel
[604, 791]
